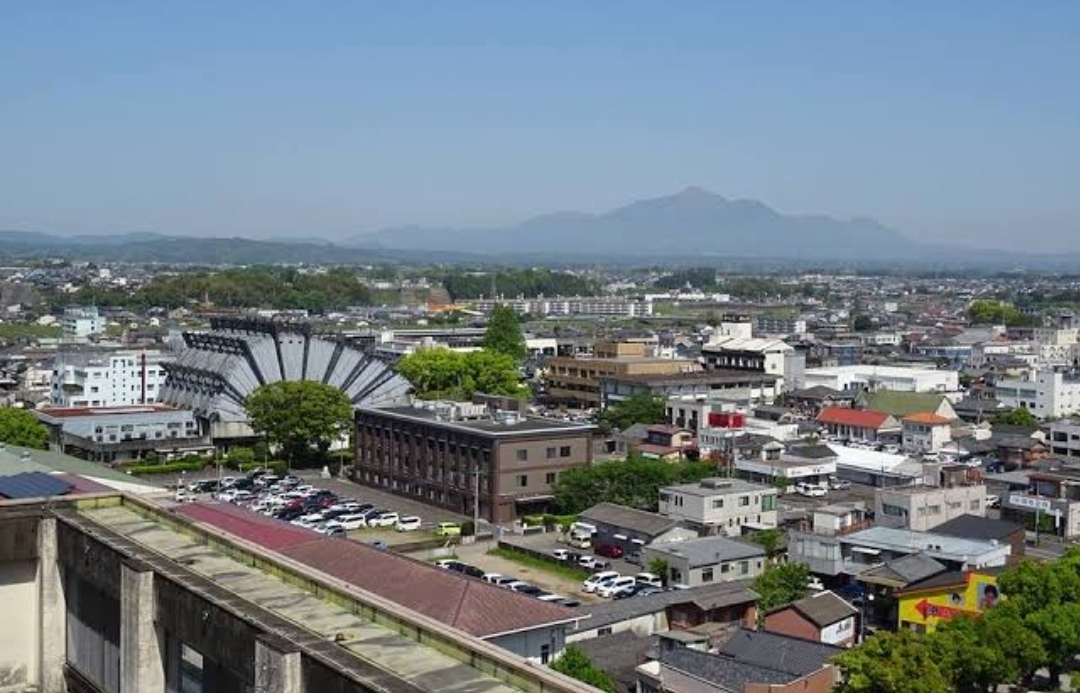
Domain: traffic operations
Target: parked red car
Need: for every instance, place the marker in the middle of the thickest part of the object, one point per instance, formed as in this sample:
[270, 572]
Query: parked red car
[609, 551]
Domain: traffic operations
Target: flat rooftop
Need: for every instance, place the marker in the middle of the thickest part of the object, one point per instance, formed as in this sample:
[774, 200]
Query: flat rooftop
[906, 540]
[707, 488]
[486, 426]
[82, 412]
[379, 647]
[703, 377]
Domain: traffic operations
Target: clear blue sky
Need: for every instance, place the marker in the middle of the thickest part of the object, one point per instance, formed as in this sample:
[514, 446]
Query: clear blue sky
[951, 120]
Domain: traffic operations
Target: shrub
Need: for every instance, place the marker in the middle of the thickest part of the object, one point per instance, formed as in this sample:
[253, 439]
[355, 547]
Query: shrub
[167, 468]
[468, 528]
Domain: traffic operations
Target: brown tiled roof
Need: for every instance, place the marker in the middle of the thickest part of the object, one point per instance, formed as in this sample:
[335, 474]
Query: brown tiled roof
[853, 417]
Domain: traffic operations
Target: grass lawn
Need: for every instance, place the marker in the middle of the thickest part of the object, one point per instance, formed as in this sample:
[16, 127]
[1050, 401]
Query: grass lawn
[566, 571]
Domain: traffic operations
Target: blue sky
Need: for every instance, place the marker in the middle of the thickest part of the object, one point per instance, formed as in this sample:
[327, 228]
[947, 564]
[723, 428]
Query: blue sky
[955, 121]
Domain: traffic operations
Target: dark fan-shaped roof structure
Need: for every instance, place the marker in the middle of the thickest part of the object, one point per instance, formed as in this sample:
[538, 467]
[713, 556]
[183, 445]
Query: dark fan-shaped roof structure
[216, 370]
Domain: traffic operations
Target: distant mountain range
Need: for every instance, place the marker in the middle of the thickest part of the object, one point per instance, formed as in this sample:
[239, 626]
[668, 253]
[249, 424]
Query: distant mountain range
[694, 222]
[694, 226]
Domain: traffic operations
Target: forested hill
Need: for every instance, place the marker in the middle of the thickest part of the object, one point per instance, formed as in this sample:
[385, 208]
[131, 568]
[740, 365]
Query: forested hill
[255, 287]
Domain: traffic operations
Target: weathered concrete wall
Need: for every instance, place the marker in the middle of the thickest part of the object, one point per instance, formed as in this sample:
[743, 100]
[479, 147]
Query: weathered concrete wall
[208, 628]
[19, 611]
[18, 538]
[92, 560]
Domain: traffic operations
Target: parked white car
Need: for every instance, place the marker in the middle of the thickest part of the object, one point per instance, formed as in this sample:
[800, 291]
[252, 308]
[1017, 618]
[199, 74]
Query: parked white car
[609, 588]
[408, 523]
[351, 521]
[387, 519]
[593, 582]
[811, 490]
[649, 579]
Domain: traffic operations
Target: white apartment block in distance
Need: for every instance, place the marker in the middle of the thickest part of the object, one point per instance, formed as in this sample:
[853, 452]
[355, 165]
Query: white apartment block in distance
[1065, 438]
[720, 506]
[107, 379]
[82, 323]
[1045, 393]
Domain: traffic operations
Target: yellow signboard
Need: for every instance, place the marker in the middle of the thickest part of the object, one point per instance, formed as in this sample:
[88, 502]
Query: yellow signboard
[971, 594]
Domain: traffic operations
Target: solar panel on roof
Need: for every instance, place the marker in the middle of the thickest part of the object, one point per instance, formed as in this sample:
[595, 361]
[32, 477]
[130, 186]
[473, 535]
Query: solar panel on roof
[32, 485]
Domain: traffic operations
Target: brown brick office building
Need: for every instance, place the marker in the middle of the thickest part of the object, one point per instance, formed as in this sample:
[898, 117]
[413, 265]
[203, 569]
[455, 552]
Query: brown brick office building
[434, 456]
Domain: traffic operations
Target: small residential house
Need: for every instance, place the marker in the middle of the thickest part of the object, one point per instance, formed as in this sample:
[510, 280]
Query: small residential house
[631, 529]
[751, 661]
[720, 506]
[975, 526]
[666, 442]
[821, 617]
[925, 433]
[694, 562]
[859, 424]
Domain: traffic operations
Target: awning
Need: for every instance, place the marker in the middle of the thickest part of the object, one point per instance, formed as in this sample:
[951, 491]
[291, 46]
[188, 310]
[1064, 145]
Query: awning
[865, 550]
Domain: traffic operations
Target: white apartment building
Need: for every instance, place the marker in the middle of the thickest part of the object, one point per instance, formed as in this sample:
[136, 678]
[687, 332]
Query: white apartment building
[984, 353]
[720, 506]
[577, 305]
[82, 323]
[921, 508]
[1045, 393]
[1064, 438]
[869, 377]
[111, 379]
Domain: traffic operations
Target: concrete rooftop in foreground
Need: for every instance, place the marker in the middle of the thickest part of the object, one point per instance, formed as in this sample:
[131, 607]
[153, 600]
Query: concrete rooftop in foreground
[423, 667]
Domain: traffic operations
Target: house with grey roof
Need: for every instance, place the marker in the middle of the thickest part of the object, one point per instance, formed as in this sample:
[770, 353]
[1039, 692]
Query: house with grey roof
[709, 559]
[749, 661]
[631, 529]
[820, 616]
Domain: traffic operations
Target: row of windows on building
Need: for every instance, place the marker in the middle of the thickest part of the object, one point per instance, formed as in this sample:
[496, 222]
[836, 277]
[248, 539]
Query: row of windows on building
[563, 452]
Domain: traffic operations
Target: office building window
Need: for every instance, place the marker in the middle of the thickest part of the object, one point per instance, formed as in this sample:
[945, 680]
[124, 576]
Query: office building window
[744, 567]
[744, 501]
[564, 451]
[707, 575]
[717, 503]
[522, 480]
[550, 478]
[522, 455]
[551, 453]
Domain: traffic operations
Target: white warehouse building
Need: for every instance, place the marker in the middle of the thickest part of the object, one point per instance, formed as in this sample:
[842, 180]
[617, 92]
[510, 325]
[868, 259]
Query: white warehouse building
[869, 377]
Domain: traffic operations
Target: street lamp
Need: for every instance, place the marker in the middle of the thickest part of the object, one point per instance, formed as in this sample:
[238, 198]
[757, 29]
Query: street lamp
[868, 598]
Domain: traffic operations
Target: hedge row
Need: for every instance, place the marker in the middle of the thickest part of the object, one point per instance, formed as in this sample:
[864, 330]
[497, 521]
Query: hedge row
[166, 468]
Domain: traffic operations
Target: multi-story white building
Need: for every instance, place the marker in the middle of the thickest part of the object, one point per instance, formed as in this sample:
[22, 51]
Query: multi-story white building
[868, 377]
[769, 324]
[1045, 393]
[577, 305]
[82, 323]
[984, 353]
[720, 506]
[109, 379]
[1064, 438]
[921, 508]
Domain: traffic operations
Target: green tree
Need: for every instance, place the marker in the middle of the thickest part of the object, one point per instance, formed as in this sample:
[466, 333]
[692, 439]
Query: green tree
[1015, 417]
[576, 664]
[636, 409]
[781, 584]
[862, 323]
[241, 457]
[492, 373]
[634, 482]
[891, 663]
[299, 414]
[440, 373]
[660, 568]
[21, 427]
[991, 312]
[503, 335]
[772, 540]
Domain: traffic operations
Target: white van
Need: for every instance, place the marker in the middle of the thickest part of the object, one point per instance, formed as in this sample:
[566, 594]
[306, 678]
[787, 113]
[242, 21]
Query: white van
[351, 521]
[593, 581]
[649, 579]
